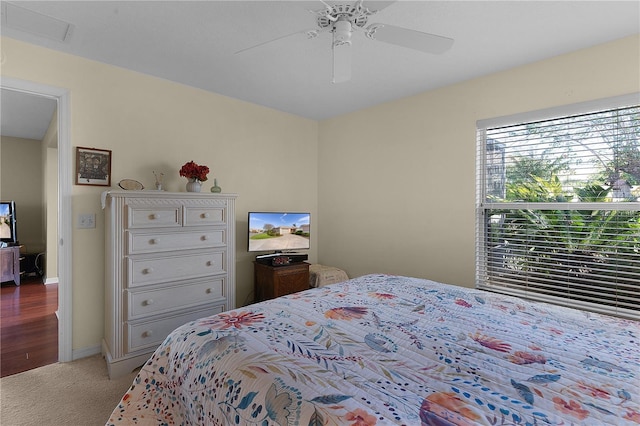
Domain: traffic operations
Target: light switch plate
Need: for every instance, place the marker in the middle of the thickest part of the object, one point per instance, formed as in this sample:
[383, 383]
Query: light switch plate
[87, 221]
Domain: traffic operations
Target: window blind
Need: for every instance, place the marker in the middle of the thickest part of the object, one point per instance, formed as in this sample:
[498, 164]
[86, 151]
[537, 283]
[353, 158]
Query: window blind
[558, 211]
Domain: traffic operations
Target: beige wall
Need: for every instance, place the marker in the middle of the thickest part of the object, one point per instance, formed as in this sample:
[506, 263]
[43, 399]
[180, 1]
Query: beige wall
[392, 187]
[397, 181]
[152, 124]
[22, 180]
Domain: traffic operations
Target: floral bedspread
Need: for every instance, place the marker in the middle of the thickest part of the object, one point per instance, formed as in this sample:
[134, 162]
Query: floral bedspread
[385, 349]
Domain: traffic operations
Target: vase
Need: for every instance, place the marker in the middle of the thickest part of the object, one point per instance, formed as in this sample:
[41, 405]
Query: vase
[193, 185]
[215, 188]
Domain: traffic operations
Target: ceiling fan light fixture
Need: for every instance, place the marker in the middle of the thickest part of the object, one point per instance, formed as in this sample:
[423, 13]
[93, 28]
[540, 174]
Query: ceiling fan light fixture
[342, 32]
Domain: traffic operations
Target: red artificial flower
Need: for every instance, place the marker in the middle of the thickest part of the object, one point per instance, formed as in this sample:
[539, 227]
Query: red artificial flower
[193, 171]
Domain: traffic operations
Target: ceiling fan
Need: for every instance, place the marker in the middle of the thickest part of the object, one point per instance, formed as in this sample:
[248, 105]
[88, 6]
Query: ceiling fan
[342, 20]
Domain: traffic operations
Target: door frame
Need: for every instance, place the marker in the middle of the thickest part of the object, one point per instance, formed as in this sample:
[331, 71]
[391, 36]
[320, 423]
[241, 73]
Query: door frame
[65, 215]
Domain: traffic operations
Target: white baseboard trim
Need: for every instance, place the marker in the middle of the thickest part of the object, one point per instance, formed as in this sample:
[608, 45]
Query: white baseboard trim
[85, 352]
[52, 280]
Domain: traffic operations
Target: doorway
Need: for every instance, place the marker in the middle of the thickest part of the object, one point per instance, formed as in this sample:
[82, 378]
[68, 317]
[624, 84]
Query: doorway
[63, 204]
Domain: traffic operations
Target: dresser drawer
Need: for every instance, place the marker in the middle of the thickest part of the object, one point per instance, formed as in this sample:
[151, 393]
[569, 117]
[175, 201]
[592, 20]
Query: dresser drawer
[149, 302]
[151, 242]
[148, 217]
[160, 269]
[198, 215]
[149, 334]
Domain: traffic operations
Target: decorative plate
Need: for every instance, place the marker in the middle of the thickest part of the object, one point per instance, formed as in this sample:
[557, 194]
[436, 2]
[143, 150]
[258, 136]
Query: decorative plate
[130, 184]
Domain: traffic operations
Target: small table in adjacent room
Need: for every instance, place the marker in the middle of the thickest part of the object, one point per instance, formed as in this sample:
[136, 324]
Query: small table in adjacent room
[275, 281]
[10, 262]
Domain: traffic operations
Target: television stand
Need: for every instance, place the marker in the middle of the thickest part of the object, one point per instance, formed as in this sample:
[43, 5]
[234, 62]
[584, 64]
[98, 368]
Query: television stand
[275, 281]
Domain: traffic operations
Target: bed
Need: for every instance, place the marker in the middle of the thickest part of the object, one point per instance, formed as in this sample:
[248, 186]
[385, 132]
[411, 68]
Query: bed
[382, 349]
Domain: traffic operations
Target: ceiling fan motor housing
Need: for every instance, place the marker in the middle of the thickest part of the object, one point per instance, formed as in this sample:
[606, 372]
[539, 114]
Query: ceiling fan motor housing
[355, 14]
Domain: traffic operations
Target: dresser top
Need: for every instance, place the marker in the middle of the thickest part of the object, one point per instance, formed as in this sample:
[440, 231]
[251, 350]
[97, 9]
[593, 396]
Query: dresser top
[165, 194]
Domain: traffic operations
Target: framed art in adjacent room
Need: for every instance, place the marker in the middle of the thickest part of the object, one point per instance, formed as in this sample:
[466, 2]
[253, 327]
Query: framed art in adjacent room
[93, 166]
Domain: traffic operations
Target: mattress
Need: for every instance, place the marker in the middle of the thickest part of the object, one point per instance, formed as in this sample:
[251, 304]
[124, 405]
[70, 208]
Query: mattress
[381, 349]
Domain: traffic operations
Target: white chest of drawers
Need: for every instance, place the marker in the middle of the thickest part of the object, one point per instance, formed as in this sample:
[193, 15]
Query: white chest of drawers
[170, 259]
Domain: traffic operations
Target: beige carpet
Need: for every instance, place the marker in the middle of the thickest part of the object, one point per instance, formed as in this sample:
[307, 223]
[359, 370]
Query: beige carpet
[77, 393]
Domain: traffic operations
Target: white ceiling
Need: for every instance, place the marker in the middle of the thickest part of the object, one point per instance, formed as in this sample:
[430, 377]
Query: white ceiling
[24, 115]
[193, 42]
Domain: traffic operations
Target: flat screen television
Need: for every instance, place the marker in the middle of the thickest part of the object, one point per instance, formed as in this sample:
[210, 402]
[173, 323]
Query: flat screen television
[8, 223]
[279, 232]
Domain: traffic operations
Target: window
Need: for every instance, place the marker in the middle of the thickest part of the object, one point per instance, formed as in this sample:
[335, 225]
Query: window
[558, 211]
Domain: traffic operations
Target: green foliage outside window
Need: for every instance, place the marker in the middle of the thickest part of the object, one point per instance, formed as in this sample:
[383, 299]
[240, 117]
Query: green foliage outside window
[581, 253]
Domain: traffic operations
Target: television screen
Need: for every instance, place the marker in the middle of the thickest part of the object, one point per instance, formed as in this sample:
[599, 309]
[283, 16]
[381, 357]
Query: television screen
[8, 232]
[279, 231]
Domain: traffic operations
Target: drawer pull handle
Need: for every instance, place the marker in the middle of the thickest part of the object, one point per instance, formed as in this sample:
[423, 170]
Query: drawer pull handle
[204, 237]
[147, 271]
[205, 215]
[148, 302]
[153, 216]
[147, 333]
[209, 263]
[208, 291]
[155, 241]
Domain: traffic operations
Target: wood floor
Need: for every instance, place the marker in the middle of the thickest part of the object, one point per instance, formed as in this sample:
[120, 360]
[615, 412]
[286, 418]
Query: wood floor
[28, 325]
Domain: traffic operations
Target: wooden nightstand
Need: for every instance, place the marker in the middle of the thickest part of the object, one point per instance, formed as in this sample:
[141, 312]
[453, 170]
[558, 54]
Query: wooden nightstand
[275, 281]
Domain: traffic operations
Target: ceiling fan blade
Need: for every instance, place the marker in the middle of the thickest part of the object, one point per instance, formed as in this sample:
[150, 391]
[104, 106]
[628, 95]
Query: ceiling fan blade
[310, 34]
[417, 40]
[377, 5]
[374, 5]
[341, 62]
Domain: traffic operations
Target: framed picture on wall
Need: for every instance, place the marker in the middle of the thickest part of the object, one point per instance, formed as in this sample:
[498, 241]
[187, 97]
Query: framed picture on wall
[93, 166]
